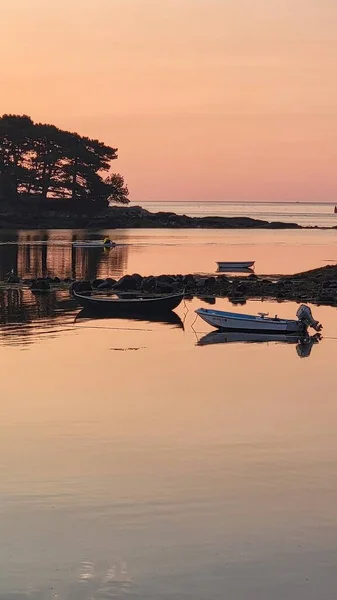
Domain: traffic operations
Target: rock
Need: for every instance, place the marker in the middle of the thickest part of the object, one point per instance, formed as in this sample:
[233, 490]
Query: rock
[97, 282]
[81, 286]
[149, 284]
[107, 284]
[163, 288]
[165, 279]
[126, 283]
[40, 285]
[207, 299]
[12, 278]
[137, 279]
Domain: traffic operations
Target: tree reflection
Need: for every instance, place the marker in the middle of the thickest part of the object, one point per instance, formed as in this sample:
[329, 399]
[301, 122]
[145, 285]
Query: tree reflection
[51, 253]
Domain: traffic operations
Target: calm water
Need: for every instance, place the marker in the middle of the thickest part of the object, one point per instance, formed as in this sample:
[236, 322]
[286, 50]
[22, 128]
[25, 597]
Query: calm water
[137, 461]
[149, 251]
[303, 213]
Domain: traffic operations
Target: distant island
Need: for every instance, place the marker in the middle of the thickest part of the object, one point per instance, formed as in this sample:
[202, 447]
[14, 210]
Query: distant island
[52, 178]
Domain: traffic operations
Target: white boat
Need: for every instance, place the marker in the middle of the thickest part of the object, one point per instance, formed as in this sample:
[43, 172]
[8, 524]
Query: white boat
[230, 265]
[229, 321]
[93, 244]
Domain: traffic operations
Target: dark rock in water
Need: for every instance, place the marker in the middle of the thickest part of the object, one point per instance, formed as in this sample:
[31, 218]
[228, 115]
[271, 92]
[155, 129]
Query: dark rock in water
[49, 279]
[210, 283]
[240, 288]
[97, 282]
[149, 284]
[12, 278]
[165, 280]
[107, 284]
[164, 288]
[126, 283]
[56, 280]
[188, 279]
[40, 285]
[137, 279]
[68, 280]
[81, 286]
[207, 299]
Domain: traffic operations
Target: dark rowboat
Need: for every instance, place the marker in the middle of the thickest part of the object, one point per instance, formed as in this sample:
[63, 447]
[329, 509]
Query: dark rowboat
[130, 306]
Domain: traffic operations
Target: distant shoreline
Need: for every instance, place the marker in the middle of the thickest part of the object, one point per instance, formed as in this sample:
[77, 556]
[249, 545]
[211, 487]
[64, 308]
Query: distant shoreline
[132, 217]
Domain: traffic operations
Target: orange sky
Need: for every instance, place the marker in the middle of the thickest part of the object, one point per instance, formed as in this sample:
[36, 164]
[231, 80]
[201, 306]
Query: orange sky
[205, 99]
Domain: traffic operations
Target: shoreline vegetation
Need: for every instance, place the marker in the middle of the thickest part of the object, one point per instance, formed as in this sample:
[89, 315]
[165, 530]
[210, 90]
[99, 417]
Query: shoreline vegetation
[317, 286]
[56, 179]
[35, 215]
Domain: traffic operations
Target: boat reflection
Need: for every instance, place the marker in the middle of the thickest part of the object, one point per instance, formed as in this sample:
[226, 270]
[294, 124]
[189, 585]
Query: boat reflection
[303, 343]
[247, 270]
[169, 318]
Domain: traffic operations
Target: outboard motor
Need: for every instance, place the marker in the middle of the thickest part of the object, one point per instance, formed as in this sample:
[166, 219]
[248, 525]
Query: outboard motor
[304, 315]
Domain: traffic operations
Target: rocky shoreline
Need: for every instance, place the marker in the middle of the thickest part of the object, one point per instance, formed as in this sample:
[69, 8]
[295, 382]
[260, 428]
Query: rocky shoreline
[123, 217]
[318, 286]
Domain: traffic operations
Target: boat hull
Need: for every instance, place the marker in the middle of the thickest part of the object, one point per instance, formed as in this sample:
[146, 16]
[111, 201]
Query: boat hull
[247, 323]
[236, 265]
[131, 306]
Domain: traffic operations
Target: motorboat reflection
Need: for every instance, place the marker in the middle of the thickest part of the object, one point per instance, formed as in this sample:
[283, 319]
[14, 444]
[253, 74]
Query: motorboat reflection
[303, 343]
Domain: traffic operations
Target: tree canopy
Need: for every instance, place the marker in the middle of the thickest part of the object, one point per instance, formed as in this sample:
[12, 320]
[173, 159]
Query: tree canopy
[41, 160]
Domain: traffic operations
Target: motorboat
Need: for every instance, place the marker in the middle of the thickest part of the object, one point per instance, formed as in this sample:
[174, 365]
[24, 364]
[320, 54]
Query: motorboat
[129, 306]
[261, 323]
[94, 244]
[235, 266]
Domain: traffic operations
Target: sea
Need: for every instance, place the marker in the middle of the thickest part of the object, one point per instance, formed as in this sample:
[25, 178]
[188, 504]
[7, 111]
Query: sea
[159, 460]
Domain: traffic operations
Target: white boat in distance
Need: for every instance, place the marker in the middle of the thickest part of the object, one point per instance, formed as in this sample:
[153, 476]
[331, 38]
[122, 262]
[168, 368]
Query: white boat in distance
[246, 264]
[229, 321]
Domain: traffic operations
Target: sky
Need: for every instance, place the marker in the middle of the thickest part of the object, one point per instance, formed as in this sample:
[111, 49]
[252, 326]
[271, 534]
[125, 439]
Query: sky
[205, 99]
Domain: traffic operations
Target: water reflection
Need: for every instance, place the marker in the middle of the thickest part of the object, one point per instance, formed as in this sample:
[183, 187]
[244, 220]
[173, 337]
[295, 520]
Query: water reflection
[42, 253]
[24, 316]
[303, 344]
[170, 318]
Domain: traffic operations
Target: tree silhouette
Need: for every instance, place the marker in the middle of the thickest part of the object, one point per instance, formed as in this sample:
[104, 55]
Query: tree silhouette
[42, 161]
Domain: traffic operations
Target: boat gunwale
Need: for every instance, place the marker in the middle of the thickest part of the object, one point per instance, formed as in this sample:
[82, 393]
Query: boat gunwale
[128, 300]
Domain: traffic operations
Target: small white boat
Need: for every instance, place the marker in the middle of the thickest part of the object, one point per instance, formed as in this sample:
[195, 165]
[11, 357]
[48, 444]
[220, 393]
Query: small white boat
[228, 265]
[93, 244]
[229, 321]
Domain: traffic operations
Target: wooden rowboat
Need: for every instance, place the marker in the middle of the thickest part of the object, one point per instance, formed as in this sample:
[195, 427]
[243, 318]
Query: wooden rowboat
[130, 306]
